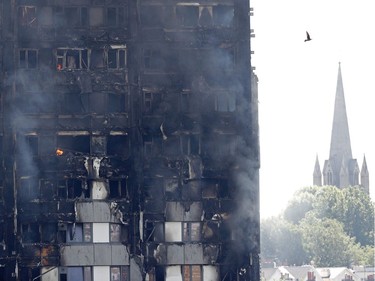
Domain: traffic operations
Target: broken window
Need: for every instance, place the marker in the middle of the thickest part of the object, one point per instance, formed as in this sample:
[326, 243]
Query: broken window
[120, 273]
[49, 231]
[71, 189]
[72, 59]
[153, 59]
[28, 188]
[115, 232]
[45, 16]
[32, 145]
[172, 190]
[79, 232]
[192, 273]
[77, 144]
[97, 60]
[96, 16]
[190, 144]
[28, 58]
[151, 101]
[151, 15]
[205, 16]
[47, 189]
[116, 16]
[118, 145]
[223, 15]
[116, 58]
[118, 189]
[116, 103]
[154, 231]
[187, 15]
[27, 16]
[191, 231]
[30, 233]
[209, 190]
[152, 145]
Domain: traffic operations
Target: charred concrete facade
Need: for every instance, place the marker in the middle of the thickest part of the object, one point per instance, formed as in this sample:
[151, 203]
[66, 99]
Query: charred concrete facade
[129, 136]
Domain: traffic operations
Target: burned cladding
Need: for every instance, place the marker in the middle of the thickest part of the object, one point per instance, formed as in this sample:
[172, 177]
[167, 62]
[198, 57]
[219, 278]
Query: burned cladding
[129, 136]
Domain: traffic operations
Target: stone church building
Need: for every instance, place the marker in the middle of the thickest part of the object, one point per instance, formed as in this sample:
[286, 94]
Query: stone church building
[341, 169]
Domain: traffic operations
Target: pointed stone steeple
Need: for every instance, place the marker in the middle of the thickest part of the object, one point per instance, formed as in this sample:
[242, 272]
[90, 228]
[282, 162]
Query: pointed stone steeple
[317, 173]
[340, 169]
[365, 181]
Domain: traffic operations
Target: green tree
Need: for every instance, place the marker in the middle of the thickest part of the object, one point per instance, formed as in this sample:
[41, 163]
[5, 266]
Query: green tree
[350, 206]
[282, 240]
[327, 243]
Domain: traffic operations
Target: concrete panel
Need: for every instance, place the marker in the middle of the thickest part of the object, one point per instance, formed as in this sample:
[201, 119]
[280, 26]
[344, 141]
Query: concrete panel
[102, 254]
[101, 273]
[77, 255]
[100, 232]
[210, 273]
[175, 254]
[51, 275]
[95, 211]
[193, 254]
[102, 212]
[174, 211]
[120, 255]
[173, 232]
[173, 273]
[194, 213]
[135, 269]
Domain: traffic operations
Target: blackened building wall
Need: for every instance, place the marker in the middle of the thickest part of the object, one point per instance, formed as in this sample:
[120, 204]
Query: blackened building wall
[129, 141]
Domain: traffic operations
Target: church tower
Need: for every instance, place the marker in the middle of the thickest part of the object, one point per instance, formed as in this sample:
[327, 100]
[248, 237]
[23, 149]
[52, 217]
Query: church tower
[341, 169]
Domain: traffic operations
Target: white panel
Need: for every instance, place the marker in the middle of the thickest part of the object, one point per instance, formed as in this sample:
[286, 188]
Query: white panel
[173, 273]
[173, 232]
[101, 273]
[100, 232]
[51, 275]
[99, 190]
[210, 273]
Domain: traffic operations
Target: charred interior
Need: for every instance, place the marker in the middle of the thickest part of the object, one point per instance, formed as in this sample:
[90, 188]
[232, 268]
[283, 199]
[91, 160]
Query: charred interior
[129, 141]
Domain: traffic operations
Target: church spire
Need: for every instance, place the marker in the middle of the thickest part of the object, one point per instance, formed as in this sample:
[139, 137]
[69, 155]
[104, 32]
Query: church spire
[365, 182]
[317, 177]
[340, 150]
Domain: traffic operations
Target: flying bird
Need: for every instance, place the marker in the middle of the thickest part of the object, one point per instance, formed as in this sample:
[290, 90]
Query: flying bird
[308, 38]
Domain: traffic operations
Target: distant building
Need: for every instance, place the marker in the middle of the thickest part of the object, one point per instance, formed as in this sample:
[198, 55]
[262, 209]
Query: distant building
[341, 169]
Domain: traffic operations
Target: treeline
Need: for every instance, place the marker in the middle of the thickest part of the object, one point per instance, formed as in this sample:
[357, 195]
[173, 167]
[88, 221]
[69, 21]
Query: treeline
[324, 225]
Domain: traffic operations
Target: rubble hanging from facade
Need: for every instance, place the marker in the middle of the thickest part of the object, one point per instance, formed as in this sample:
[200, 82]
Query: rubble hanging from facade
[129, 135]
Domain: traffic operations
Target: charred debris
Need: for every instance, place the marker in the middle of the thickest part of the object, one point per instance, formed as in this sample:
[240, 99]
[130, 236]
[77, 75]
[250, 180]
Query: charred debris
[129, 136]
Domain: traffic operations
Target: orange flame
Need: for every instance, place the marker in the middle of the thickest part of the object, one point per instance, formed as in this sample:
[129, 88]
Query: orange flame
[59, 66]
[59, 152]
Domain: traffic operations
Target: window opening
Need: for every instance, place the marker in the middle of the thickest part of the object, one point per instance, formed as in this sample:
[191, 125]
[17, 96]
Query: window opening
[116, 16]
[72, 59]
[191, 231]
[120, 273]
[28, 59]
[27, 16]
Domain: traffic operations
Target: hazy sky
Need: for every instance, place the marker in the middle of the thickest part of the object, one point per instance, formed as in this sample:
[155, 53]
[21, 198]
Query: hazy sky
[297, 86]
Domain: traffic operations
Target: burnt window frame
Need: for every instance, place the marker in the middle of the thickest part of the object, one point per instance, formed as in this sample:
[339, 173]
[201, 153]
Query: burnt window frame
[188, 235]
[84, 227]
[182, 15]
[26, 19]
[113, 151]
[187, 144]
[191, 273]
[62, 63]
[61, 17]
[122, 188]
[124, 273]
[120, 57]
[27, 63]
[66, 189]
[153, 60]
[32, 228]
[215, 17]
[26, 186]
[150, 101]
[121, 16]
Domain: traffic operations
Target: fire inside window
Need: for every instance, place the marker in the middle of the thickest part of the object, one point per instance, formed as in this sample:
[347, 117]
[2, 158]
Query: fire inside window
[72, 59]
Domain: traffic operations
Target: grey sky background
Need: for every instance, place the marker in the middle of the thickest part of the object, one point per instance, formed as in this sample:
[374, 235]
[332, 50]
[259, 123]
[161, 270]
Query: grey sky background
[297, 86]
